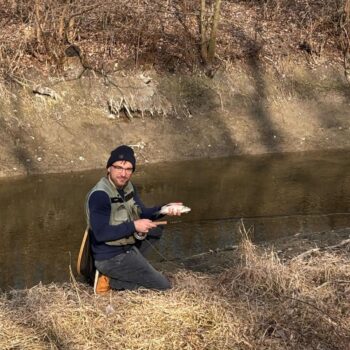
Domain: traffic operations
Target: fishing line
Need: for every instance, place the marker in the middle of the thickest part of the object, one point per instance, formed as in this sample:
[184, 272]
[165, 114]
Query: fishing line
[211, 251]
[177, 265]
[280, 216]
[165, 259]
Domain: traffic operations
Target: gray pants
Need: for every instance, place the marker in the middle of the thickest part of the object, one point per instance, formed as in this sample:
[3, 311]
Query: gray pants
[131, 270]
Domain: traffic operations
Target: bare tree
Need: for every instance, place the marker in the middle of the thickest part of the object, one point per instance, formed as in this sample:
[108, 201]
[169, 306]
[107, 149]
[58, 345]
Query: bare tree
[345, 38]
[208, 31]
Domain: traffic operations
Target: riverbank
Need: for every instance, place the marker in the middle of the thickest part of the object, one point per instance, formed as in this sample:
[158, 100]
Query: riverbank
[258, 302]
[52, 126]
[77, 79]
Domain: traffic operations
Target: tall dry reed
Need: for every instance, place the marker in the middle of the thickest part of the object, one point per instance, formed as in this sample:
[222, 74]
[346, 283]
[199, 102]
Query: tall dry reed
[257, 303]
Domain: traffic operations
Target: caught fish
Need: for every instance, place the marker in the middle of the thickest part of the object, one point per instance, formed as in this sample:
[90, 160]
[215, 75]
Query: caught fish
[165, 209]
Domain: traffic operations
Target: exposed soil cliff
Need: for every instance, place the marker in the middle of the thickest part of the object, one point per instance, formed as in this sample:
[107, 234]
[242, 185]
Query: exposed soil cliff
[60, 126]
[79, 78]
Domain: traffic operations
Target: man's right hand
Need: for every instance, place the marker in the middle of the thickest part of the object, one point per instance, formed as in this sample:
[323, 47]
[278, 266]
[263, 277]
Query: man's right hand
[144, 225]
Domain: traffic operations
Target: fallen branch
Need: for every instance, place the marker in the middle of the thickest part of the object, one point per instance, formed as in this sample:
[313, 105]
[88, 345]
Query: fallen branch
[314, 250]
[341, 244]
[305, 254]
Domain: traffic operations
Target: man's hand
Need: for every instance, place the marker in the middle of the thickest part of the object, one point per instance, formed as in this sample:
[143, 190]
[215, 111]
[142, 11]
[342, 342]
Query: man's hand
[144, 225]
[174, 209]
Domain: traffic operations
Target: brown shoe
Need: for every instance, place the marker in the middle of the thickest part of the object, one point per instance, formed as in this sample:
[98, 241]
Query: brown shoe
[102, 286]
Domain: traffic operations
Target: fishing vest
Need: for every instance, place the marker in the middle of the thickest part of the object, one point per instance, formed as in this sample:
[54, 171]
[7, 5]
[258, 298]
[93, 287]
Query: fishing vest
[122, 210]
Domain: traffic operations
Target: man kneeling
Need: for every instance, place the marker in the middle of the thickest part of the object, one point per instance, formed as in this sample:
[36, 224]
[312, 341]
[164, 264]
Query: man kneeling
[121, 228]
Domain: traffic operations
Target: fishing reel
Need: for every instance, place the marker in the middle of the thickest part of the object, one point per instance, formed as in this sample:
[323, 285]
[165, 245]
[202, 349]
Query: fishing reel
[140, 237]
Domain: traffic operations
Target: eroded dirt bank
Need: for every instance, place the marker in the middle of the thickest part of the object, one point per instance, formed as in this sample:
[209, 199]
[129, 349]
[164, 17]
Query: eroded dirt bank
[60, 126]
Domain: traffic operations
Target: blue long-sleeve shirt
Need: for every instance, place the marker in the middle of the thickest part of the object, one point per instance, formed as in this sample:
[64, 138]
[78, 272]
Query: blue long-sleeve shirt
[101, 231]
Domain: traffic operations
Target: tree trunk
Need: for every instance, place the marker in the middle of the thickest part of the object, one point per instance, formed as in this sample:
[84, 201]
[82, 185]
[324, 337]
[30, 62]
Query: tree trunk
[62, 24]
[213, 33]
[203, 33]
[38, 19]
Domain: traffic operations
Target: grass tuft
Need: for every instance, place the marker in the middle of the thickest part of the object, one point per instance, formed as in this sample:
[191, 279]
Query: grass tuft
[257, 303]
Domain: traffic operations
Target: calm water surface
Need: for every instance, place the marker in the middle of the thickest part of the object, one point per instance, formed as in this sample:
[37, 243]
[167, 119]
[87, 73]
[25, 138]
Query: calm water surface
[42, 217]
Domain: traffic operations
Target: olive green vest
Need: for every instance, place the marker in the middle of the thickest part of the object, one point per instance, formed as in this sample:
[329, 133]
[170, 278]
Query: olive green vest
[122, 210]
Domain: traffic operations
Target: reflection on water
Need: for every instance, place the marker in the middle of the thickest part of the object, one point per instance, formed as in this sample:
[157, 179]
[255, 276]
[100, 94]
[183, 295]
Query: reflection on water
[42, 217]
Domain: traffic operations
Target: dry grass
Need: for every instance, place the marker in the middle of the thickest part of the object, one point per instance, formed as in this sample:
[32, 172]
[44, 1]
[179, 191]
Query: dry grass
[116, 34]
[259, 303]
[72, 318]
[301, 304]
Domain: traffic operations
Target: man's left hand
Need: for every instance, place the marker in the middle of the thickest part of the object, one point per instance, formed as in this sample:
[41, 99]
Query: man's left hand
[175, 210]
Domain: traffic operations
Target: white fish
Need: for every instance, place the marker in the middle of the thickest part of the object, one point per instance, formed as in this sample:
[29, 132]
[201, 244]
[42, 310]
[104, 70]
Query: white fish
[165, 209]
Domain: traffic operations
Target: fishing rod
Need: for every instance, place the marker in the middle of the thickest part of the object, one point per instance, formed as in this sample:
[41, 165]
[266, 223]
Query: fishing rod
[180, 208]
[179, 262]
[186, 210]
[280, 216]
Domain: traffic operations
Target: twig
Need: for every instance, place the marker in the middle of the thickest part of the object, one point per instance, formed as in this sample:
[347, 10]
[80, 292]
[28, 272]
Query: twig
[341, 281]
[313, 250]
[128, 113]
[74, 281]
[305, 254]
[83, 11]
[330, 319]
[19, 81]
[342, 243]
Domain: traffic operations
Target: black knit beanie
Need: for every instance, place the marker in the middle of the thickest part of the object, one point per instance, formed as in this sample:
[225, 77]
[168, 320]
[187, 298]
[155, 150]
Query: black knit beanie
[122, 153]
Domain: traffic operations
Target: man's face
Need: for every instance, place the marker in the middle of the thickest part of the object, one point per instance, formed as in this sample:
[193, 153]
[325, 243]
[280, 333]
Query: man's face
[120, 173]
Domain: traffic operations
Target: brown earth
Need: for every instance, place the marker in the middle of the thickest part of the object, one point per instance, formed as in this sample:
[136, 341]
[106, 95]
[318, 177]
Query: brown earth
[278, 82]
[70, 125]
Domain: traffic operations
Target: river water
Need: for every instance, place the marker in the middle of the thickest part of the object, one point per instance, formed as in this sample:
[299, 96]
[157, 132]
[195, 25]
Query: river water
[42, 218]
